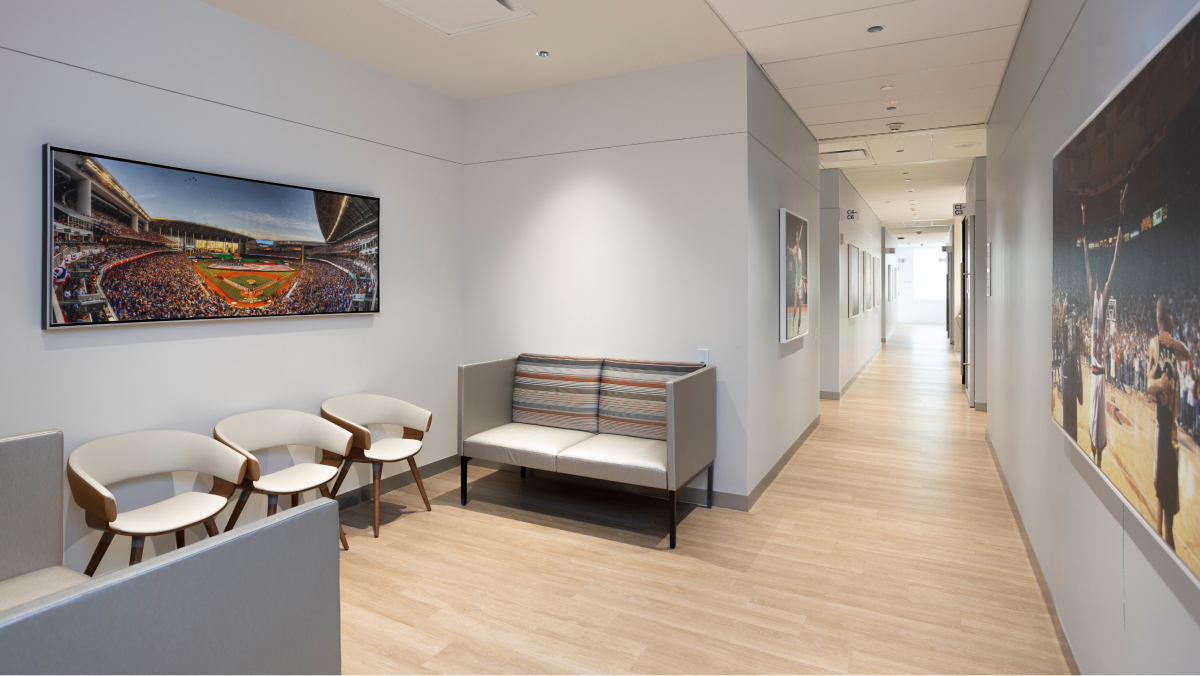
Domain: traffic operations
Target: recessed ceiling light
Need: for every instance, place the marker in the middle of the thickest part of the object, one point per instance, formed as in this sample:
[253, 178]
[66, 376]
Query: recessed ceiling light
[874, 29]
[891, 107]
[907, 179]
[885, 88]
[901, 150]
[543, 53]
[906, 173]
[960, 146]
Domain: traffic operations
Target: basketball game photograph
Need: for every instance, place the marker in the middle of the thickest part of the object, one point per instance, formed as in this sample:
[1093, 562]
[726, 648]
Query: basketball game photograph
[793, 234]
[134, 242]
[1126, 297]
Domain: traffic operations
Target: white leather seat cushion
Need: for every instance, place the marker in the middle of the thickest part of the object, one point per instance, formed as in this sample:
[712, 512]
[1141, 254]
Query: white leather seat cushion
[533, 446]
[629, 460]
[389, 445]
[169, 515]
[35, 585]
[296, 478]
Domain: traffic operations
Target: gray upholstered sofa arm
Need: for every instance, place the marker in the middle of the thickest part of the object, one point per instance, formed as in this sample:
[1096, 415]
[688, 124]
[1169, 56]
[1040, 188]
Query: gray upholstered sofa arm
[485, 392]
[259, 599]
[691, 425]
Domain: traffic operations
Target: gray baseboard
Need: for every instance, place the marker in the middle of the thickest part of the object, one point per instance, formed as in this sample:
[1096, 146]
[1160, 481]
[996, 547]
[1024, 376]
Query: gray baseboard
[362, 494]
[1063, 642]
[783, 461]
[830, 395]
[981, 406]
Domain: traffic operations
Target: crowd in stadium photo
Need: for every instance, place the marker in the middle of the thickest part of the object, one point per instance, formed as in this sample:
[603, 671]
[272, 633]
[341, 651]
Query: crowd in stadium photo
[167, 286]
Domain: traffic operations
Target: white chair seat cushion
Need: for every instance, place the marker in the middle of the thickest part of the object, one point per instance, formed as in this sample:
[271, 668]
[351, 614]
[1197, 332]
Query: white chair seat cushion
[533, 446]
[296, 478]
[169, 515]
[388, 443]
[391, 450]
[629, 460]
[35, 585]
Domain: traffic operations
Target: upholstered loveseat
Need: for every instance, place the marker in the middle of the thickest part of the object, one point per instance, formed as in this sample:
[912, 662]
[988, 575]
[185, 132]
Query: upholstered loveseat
[645, 423]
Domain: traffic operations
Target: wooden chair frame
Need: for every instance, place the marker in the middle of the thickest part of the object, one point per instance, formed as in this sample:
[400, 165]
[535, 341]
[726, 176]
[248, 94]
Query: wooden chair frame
[360, 442]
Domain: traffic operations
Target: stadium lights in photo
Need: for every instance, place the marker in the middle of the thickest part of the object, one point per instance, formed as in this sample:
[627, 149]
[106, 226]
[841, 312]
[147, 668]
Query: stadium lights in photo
[129, 242]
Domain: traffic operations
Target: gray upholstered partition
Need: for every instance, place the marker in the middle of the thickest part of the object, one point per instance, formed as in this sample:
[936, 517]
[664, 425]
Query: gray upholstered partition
[260, 599]
[31, 492]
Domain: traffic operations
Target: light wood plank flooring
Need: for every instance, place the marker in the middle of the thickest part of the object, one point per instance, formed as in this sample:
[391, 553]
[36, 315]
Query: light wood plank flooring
[886, 545]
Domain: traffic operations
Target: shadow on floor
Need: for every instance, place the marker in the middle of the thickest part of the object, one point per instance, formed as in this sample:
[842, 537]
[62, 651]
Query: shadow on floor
[617, 516]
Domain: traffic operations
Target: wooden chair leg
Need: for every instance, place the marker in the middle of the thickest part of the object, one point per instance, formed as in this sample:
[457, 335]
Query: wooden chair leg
[412, 464]
[341, 531]
[101, 547]
[237, 509]
[272, 504]
[135, 550]
[376, 474]
[341, 477]
[295, 499]
[673, 516]
[179, 539]
[211, 527]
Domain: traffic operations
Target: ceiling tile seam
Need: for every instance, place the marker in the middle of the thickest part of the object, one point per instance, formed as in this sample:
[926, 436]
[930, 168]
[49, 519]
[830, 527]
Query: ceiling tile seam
[781, 161]
[1000, 155]
[903, 72]
[831, 139]
[612, 147]
[761, 69]
[824, 16]
[895, 44]
[893, 116]
[851, 103]
[228, 105]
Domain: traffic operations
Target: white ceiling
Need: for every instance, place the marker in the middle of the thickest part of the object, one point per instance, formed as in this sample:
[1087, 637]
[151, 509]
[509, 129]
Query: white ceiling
[586, 39]
[943, 58]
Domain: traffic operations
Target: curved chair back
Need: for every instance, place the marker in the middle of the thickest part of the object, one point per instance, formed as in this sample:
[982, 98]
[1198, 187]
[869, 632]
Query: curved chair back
[355, 411]
[260, 430]
[103, 462]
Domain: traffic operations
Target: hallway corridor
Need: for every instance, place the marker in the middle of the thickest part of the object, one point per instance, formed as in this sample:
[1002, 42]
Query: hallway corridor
[886, 545]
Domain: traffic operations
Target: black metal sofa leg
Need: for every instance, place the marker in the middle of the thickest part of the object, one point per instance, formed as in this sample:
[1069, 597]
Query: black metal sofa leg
[522, 472]
[465, 460]
[671, 510]
[710, 486]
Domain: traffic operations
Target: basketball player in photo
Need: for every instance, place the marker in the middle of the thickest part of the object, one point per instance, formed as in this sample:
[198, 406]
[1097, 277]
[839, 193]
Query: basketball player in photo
[1098, 422]
[1166, 353]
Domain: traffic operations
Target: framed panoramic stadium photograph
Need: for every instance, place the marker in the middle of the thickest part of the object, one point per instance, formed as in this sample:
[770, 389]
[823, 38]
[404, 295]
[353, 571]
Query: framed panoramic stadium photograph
[1125, 312]
[793, 276]
[129, 242]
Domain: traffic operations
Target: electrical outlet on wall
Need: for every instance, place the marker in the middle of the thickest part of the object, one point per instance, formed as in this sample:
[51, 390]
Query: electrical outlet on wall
[702, 356]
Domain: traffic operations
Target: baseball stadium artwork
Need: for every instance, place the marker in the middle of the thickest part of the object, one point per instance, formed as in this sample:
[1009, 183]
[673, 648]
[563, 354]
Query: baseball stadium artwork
[133, 242]
[1125, 378]
[793, 276]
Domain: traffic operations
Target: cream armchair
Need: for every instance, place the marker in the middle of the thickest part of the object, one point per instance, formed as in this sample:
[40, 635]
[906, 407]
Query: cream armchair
[384, 430]
[103, 462]
[260, 430]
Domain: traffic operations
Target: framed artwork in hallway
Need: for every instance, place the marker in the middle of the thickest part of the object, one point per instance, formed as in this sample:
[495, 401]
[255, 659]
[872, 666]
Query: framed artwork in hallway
[867, 284]
[853, 280]
[1125, 317]
[793, 276]
[876, 282]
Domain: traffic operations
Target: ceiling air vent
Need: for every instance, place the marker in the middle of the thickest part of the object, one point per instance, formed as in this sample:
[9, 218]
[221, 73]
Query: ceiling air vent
[455, 17]
[844, 156]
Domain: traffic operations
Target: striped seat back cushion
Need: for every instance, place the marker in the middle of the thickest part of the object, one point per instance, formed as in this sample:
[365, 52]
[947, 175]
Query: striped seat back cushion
[557, 391]
[633, 396]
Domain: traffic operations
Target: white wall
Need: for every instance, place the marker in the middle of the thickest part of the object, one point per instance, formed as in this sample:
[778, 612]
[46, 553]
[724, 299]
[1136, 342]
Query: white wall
[1124, 603]
[182, 83]
[783, 173]
[622, 239]
[914, 310]
[891, 307]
